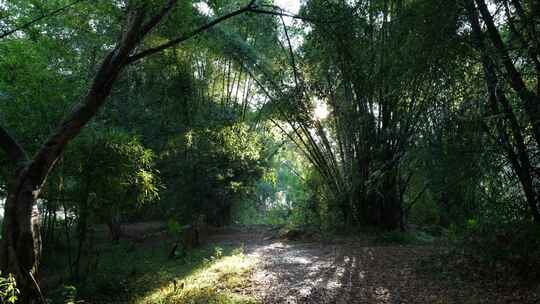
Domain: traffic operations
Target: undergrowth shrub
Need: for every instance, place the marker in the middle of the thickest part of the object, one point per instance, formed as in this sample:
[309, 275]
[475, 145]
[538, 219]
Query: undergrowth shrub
[425, 212]
[8, 289]
[417, 237]
[501, 250]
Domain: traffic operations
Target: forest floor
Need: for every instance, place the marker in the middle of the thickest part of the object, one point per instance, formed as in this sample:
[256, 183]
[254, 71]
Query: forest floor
[254, 265]
[359, 270]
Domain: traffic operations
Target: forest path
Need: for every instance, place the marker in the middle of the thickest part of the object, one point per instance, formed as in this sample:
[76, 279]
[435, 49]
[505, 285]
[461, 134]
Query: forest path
[351, 271]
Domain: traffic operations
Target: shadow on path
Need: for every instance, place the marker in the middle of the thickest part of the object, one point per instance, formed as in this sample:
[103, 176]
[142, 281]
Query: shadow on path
[351, 271]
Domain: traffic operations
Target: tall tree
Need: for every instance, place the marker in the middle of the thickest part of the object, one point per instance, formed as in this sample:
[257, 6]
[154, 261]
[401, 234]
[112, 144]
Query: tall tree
[500, 73]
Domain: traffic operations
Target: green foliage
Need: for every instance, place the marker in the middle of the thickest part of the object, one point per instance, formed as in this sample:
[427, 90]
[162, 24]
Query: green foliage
[175, 230]
[174, 227]
[425, 212]
[68, 294]
[142, 274]
[108, 172]
[215, 168]
[8, 289]
[285, 195]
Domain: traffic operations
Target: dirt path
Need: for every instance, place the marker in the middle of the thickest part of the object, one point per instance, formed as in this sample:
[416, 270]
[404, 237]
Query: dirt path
[350, 271]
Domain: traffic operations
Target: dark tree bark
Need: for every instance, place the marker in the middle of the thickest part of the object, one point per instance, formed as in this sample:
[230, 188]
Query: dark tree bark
[20, 248]
[115, 229]
[514, 146]
[530, 100]
[82, 231]
[390, 203]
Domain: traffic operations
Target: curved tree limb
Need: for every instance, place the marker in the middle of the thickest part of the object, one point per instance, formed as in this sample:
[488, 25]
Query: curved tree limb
[191, 34]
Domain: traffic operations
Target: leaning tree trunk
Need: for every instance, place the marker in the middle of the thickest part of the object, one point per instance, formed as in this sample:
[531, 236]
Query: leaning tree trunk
[20, 247]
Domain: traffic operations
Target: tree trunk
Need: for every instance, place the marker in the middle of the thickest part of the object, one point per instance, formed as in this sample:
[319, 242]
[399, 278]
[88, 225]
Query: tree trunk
[514, 146]
[530, 100]
[390, 203]
[82, 228]
[20, 247]
[115, 228]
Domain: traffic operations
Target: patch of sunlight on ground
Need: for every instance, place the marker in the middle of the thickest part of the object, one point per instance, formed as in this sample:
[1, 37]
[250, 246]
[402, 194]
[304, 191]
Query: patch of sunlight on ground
[220, 281]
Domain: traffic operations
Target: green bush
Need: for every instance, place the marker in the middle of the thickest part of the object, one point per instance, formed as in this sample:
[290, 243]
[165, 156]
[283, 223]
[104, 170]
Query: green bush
[66, 294]
[8, 289]
[425, 212]
[501, 249]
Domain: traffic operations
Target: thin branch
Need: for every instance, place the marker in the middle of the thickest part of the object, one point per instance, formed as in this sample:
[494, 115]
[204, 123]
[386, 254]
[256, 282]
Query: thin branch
[494, 35]
[30, 23]
[418, 196]
[284, 14]
[291, 52]
[190, 35]
[278, 11]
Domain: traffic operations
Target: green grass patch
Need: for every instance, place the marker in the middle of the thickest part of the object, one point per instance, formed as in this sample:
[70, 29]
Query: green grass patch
[219, 281]
[129, 273]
